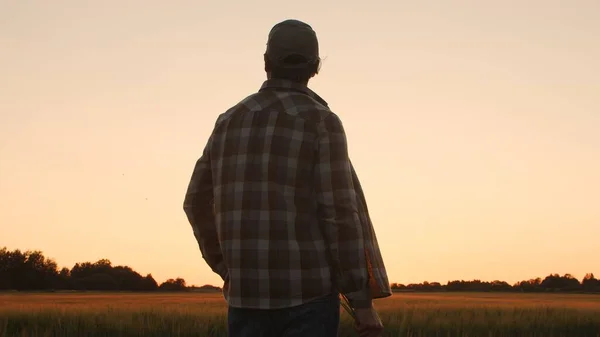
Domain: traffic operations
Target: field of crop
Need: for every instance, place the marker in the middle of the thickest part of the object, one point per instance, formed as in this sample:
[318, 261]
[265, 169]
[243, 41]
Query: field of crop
[197, 314]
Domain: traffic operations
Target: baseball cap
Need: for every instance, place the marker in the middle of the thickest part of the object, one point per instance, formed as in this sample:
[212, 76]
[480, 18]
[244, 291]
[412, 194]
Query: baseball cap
[292, 37]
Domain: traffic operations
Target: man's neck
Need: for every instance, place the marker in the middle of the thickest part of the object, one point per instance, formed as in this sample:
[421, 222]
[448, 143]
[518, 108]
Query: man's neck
[283, 79]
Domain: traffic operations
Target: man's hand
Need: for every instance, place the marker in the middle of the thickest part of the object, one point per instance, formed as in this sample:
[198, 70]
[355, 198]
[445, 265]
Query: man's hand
[368, 323]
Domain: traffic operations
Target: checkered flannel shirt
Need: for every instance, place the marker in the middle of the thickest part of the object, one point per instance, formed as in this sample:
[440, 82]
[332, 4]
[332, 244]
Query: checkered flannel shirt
[274, 204]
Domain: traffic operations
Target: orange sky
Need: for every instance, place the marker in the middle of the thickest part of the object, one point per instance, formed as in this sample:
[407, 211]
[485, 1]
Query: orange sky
[474, 127]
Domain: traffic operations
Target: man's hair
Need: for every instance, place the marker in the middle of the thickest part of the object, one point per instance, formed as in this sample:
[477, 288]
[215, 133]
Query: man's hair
[302, 71]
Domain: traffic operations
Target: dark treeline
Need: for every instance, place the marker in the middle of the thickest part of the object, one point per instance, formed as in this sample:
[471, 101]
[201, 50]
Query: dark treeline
[552, 283]
[30, 270]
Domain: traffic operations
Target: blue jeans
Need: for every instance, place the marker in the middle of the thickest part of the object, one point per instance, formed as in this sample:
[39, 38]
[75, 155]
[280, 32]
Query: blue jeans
[319, 318]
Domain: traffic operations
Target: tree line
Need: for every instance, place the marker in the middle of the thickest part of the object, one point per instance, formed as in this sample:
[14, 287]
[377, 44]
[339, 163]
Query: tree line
[31, 270]
[551, 283]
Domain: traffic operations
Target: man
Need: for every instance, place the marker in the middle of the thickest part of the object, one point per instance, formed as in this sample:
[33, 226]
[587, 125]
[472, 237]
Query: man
[277, 208]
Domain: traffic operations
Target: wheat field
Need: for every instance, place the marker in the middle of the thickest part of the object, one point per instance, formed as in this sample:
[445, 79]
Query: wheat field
[203, 314]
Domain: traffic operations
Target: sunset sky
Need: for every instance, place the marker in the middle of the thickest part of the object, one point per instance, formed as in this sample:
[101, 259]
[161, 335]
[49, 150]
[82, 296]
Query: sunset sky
[473, 125]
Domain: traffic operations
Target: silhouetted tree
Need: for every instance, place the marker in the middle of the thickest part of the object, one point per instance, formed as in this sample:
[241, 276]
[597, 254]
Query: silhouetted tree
[5, 272]
[30, 270]
[127, 278]
[533, 285]
[475, 285]
[119, 277]
[173, 285]
[64, 279]
[590, 283]
[11, 272]
[100, 281]
[205, 288]
[555, 282]
[500, 286]
[86, 269]
[149, 284]
[398, 287]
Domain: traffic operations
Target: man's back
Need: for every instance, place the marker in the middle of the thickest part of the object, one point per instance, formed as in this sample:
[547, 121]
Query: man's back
[263, 153]
[277, 208]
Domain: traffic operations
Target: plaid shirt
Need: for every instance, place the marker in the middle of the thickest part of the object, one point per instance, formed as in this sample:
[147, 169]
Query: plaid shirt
[276, 206]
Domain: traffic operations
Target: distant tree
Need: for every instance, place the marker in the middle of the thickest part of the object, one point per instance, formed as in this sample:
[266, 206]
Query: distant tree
[425, 286]
[500, 286]
[458, 286]
[28, 270]
[39, 272]
[413, 287]
[149, 284]
[555, 282]
[205, 288]
[119, 277]
[85, 269]
[177, 284]
[127, 278]
[590, 283]
[435, 286]
[13, 265]
[397, 286]
[98, 281]
[5, 272]
[31, 270]
[64, 279]
[533, 285]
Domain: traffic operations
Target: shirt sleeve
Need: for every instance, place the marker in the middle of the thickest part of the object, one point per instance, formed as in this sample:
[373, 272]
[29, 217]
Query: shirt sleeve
[198, 207]
[338, 212]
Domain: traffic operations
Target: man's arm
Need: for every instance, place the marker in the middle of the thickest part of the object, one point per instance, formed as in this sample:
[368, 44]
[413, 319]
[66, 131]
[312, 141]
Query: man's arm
[198, 207]
[338, 212]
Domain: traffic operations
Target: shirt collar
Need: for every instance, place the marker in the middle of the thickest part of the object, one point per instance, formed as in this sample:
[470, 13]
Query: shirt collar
[276, 83]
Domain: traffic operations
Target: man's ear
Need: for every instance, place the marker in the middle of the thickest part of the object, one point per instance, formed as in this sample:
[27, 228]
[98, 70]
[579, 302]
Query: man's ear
[315, 69]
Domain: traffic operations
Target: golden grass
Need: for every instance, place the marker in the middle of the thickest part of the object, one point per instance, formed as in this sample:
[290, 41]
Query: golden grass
[202, 314]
